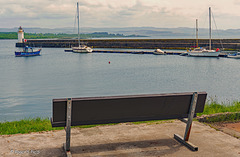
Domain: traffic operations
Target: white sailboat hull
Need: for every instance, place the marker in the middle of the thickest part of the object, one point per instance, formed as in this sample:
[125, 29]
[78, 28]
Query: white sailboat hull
[236, 55]
[204, 54]
[82, 49]
[158, 52]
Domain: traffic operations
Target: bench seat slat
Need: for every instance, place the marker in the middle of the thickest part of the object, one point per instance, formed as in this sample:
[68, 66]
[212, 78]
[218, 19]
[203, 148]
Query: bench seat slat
[116, 109]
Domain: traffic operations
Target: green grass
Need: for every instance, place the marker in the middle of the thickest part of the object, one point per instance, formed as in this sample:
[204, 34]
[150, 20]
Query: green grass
[33, 125]
[26, 126]
[228, 117]
[214, 107]
[90, 126]
[230, 112]
[44, 124]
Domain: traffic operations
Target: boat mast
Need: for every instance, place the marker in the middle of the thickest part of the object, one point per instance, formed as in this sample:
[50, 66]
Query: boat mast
[78, 24]
[196, 32]
[210, 29]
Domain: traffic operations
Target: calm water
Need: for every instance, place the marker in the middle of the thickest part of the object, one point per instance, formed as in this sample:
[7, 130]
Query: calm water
[28, 84]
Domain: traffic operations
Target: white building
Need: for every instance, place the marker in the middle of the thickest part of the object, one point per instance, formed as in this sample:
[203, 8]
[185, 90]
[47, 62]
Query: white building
[20, 35]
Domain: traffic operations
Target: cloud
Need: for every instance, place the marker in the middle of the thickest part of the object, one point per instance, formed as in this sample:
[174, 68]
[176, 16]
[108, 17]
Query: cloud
[121, 14]
[116, 13]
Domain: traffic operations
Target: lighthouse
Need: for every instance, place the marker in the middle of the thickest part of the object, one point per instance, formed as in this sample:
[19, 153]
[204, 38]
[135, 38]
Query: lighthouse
[20, 35]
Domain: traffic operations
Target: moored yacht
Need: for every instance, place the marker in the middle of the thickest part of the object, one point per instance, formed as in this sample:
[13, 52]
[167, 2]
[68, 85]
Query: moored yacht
[202, 52]
[80, 48]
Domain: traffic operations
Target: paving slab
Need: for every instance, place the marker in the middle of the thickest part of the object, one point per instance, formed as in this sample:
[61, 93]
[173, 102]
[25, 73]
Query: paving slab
[124, 140]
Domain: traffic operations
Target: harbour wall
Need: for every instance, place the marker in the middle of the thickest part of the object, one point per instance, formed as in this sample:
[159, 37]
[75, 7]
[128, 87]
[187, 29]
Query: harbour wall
[132, 43]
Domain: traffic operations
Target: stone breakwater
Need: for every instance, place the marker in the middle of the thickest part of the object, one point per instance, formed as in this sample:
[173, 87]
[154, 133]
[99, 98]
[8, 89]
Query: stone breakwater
[133, 43]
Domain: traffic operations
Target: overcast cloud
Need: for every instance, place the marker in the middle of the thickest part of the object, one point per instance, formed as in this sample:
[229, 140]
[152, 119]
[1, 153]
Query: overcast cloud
[118, 13]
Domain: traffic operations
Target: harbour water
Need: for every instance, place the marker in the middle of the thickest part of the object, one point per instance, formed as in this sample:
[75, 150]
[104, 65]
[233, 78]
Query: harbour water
[28, 84]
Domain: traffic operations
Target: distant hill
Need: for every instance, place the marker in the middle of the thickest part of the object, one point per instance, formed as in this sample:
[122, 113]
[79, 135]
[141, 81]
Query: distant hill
[13, 35]
[150, 32]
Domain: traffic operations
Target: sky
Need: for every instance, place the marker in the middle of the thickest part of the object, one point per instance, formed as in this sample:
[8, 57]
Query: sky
[118, 13]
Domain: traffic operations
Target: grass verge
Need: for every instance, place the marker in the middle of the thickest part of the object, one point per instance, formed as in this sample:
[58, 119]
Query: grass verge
[213, 107]
[215, 112]
[221, 117]
[26, 126]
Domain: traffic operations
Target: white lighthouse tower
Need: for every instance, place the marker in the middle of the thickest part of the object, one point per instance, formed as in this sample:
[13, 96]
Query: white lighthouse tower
[20, 35]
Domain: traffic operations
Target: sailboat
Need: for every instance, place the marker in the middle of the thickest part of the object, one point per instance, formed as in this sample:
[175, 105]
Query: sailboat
[202, 52]
[80, 48]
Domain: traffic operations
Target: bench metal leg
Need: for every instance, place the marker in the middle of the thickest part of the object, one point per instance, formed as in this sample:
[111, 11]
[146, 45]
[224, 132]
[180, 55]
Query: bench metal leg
[66, 146]
[189, 125]
[186, 143]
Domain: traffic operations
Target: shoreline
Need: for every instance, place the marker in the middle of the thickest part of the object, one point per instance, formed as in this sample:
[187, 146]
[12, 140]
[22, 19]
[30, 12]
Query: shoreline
[25, 126]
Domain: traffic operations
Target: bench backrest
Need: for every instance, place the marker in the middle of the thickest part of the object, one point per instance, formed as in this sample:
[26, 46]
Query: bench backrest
[116, 109]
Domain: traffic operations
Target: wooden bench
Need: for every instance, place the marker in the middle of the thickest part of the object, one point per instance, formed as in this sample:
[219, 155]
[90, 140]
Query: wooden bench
[131, 108]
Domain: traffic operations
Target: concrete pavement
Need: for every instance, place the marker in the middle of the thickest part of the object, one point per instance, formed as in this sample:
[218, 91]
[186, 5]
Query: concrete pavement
[130, 140]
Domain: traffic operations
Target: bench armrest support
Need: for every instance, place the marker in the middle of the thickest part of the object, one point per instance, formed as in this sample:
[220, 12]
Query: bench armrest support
[68, 125]
[190, 116]
[189, 125]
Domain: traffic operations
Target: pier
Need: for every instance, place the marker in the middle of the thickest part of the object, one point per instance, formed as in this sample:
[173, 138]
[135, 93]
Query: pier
[132, 43]
[136, 52]
[139, 52]
[131, 52]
